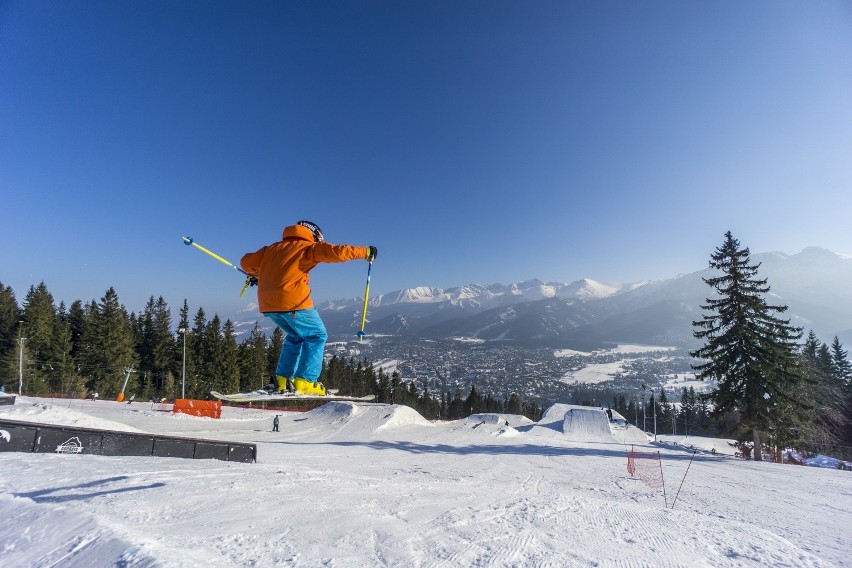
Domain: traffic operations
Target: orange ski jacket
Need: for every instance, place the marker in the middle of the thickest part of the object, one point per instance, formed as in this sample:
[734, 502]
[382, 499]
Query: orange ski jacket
[282, 268]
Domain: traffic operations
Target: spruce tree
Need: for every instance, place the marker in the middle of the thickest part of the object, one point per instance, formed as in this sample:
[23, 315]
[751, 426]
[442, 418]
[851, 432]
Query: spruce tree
[842, 370]
[157, 345]
[749, 351]
[825, 393]
[64, 377]
[252, 355]
[229, 359]
[10, 316]
[273, 352]
[38, 328]
[76, 319]
[196, 353]
[840, 365]
[112, 347]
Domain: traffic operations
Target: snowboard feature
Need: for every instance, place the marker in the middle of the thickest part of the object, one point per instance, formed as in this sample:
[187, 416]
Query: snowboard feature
[264, 396]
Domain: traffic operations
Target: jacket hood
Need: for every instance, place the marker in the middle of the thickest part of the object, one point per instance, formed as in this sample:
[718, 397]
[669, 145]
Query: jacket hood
[298, 232]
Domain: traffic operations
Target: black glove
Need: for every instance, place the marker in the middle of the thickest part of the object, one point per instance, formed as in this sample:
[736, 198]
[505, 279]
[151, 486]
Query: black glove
[252, 280]
[372, 253]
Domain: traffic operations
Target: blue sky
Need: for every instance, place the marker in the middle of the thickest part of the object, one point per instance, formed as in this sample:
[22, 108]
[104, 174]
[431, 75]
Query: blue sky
[471, 142]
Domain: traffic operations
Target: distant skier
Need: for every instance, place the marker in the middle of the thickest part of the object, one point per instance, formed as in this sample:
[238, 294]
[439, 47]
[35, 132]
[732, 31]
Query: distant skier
[284, 296]
[275, 423]
[609, 414]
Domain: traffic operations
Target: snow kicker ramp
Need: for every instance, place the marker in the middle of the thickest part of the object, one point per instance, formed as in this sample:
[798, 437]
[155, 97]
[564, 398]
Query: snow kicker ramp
[359, 419]
[587, 425]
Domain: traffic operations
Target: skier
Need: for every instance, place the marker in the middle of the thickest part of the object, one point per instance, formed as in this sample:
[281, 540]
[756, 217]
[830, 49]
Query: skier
[284, 296]
[275, 423]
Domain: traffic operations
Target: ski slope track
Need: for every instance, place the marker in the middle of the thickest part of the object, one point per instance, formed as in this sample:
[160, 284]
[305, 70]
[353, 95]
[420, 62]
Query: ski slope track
[356, 484]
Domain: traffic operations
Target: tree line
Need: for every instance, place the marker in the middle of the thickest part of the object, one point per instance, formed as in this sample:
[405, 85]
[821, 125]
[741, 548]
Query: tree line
[99, 345]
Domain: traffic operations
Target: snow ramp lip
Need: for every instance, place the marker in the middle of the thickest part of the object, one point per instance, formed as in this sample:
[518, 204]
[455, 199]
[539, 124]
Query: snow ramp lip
[49, 438]
[587, 425]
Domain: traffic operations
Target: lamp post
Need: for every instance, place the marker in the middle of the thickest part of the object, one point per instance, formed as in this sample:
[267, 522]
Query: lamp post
[21, 360]
[183, 371]
[654, 403]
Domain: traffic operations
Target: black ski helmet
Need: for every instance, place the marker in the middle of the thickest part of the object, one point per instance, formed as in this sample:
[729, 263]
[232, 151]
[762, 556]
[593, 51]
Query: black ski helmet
[314, 228]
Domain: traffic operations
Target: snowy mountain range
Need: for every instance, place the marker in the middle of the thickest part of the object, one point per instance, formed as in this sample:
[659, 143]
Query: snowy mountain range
[816, 285]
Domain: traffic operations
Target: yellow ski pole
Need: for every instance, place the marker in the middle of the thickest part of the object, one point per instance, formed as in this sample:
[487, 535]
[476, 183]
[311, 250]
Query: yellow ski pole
[189, 241]
[362, 333]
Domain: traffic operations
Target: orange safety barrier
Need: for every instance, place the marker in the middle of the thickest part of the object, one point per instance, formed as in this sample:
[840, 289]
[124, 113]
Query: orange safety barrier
[209, 408]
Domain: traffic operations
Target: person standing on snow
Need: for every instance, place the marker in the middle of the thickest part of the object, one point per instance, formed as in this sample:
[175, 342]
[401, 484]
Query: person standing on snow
[284, 296]
[275, 423]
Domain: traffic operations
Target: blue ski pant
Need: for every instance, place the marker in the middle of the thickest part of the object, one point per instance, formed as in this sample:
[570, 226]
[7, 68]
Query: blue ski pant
[301, 354]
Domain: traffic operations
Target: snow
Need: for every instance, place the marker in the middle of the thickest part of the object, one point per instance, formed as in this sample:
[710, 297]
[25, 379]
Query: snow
[633, 348]
[621, 349]
[595, 373]
[680, 381]
[378, 485]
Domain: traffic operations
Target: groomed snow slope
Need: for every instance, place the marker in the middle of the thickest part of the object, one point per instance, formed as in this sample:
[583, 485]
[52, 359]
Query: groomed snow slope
[377, 485]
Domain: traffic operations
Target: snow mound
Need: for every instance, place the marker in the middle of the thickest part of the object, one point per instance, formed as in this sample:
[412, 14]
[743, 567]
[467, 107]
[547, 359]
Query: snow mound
[486, 424]
[45, 413]
[587, 425]
[366, 418]
[513, 420]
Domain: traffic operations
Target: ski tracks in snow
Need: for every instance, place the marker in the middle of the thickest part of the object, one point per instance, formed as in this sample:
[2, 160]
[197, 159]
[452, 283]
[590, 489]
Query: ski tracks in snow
[569, 532]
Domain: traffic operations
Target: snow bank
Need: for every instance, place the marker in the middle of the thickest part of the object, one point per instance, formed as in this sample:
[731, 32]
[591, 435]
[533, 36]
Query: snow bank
[45, 413]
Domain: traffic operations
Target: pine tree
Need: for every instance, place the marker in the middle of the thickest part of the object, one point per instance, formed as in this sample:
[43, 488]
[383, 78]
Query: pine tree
[76, 319]
[229, 359]
[273, 352]
[749, 351]
[112, 349]
[38, 328]
[840, 365]
[196, 353]
[87, 345]
[842, 369]
[824, 392]
[156, 346]
[10, 316]
[252, 355]
[64, 377]
[667, 415]
[514, 406]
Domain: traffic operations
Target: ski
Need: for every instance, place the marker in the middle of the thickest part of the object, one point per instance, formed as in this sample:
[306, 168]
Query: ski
[264, 396]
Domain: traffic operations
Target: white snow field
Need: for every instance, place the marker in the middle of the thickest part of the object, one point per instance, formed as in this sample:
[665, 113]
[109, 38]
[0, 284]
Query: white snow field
[354, 484]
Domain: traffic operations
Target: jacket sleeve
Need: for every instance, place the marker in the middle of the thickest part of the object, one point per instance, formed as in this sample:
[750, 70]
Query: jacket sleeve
[250, 262]
[326, 252]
